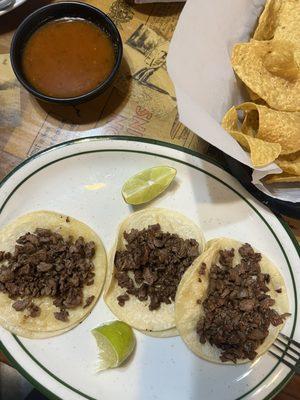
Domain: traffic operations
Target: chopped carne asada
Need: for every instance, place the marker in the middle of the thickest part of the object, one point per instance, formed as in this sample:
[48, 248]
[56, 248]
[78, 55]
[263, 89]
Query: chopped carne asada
[202, 268]
[237, 308]
[45, 264]
[152, 265]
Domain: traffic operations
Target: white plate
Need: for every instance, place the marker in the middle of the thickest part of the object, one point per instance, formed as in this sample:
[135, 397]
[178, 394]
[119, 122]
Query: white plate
[59, 179]
[16, 4]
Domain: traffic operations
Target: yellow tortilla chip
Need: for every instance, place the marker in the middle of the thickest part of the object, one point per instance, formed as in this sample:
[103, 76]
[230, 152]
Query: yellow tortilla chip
[281, 60]
[268, 20]
[280, 20]
[253, 96]
[282, 178]
[261, 152]
[280, 127]
[272, 126]
[290, 164]
[248, 61]
[250, 123]
[230, 120]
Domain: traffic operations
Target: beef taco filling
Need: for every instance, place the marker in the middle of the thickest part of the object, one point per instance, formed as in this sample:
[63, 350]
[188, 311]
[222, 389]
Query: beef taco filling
[151, 266]
[237, 309]
[45, 264]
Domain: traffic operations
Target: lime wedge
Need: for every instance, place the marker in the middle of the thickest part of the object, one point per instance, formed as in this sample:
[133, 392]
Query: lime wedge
[147, 184]
[115, 342]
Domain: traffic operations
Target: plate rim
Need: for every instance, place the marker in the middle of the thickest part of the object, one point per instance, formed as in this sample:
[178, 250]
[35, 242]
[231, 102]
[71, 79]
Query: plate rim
[204, 157]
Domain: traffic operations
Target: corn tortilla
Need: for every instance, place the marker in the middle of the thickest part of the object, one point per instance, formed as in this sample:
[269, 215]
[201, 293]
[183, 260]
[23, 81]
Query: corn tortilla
[188, 312]
[46, 324]
[135, 312]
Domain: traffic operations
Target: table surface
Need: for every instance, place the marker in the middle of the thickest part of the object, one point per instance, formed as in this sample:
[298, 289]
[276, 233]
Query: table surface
[141, 101]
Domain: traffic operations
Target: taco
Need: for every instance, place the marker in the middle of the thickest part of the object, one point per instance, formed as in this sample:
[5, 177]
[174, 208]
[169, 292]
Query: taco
[231, 305]
[52, 270]
[154, 247]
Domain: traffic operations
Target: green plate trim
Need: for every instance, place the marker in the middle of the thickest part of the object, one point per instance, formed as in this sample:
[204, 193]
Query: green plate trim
[188, 151]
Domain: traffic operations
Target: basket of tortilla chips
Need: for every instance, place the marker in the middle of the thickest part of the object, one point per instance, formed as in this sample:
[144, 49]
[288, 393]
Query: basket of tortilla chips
[268, 127]
[244, 74]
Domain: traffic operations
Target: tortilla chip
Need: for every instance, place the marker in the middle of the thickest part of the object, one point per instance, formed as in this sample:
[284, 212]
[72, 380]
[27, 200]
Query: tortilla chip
[188, 311]
[284, 178]
[263, 123]
[290, 164]
[261, 152]
[135, 312]
[272, 126]
[253, 96]
[248, 63]
[46, 324]
[230, 120]
[268, 20]
[250, 123]
[281, 61]
[280, 20]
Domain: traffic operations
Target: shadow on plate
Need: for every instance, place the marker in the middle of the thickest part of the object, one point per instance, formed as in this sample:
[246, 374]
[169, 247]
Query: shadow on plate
[167, 193]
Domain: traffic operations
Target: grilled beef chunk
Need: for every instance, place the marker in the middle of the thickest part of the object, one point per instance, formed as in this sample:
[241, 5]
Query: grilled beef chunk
[62, 315]
[89, 301]
[34, 310]
[122, 298]
[152, 265]
[45, 264]
[21, 305]
[237, 310]
[202, 268]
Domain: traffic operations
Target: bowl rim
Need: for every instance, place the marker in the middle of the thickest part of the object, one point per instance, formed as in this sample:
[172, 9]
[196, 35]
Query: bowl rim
[117, 40]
